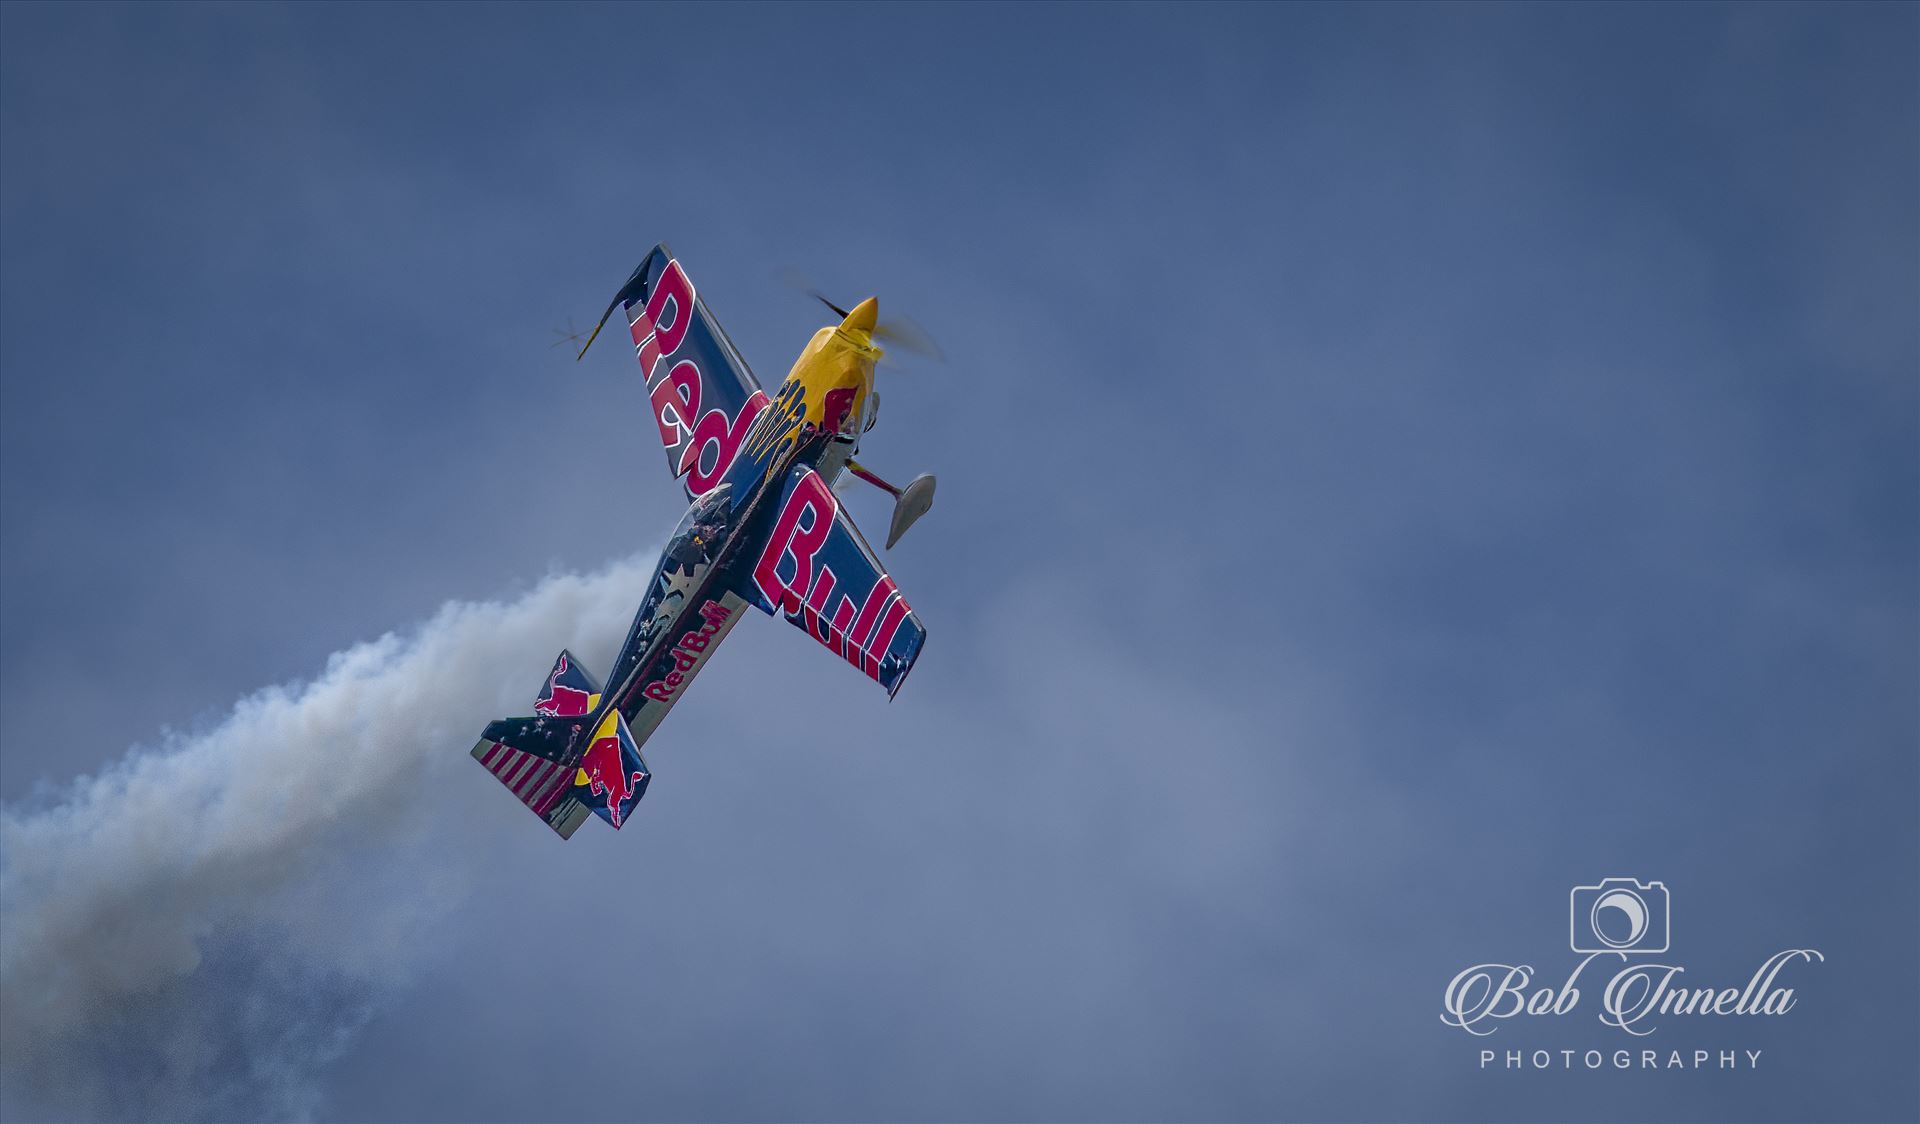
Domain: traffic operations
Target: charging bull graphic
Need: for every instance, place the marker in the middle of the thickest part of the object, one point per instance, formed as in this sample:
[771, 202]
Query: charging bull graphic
[764, 528]
[610, 778]
[561, 699]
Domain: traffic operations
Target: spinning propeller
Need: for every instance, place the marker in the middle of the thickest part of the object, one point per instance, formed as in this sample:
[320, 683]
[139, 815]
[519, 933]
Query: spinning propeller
[901, 334]
[571, 335]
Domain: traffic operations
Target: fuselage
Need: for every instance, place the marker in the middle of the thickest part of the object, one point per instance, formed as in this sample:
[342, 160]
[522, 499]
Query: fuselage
[816, 418]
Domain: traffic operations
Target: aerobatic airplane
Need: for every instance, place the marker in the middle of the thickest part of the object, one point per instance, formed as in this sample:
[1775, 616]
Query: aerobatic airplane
[764, 529]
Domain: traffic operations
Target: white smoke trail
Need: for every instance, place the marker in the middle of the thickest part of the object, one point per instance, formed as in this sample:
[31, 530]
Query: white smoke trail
[184, 935]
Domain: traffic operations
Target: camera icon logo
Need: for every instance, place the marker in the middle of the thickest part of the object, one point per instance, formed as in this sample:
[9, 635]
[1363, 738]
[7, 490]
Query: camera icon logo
[1619, 915]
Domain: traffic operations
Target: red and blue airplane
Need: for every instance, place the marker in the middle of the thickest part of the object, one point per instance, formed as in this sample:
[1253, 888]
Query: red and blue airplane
[764, 529]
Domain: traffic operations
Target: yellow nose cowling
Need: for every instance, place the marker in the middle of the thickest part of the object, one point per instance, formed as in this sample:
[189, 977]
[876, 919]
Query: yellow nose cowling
[863, 318]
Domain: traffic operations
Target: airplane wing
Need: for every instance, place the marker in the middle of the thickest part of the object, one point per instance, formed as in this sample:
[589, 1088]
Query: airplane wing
[703, 395]
[816, 570]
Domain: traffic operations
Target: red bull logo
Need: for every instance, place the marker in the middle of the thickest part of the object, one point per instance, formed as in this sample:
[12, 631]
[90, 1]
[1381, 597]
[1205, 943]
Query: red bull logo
[688, 653]
[560, 700]
[837, 405]
[608, 776]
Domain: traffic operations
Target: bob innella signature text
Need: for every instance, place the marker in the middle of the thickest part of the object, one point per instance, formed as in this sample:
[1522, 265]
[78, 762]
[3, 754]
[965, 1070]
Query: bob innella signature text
[1634, 999]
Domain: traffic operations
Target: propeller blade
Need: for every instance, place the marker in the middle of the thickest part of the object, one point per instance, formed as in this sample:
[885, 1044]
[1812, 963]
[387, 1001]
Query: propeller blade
[794, 279]
[900, 333]
[906, 334]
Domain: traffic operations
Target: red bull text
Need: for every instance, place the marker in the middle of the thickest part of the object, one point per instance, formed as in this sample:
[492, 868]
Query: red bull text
[688, 653]
[859, 635]
[706, 441]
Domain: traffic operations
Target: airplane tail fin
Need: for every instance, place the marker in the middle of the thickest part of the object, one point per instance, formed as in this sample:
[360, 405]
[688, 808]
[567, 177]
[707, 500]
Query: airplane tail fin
[534, 756]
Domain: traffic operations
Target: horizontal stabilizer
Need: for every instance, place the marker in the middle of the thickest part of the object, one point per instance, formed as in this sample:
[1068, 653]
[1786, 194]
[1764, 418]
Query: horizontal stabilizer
[539, 735]
[528, 755]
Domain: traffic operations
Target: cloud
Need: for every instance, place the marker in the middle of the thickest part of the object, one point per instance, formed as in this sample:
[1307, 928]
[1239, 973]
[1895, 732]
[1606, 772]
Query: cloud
[186, 934]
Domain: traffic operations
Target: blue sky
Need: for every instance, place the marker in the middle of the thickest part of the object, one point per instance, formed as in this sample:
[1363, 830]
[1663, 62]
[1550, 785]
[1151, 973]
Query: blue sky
[1397, 463]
